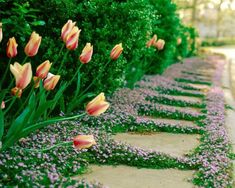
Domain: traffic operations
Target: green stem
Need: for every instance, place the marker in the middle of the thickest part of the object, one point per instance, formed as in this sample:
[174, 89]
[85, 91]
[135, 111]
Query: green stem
[78, 70]
[84, 91]
[49, 148]
[5, 73]
[10, 105]
[62, 47]
[22, 106]
[26, 57]
[62, 62]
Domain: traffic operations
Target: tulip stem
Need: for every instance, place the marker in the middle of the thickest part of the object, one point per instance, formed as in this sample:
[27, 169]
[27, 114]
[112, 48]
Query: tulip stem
[78, 71]
[5, 73]
[26, 57]
[95, 79]
[49, 148]
[62, 62]
[62, 47]
[10, 105]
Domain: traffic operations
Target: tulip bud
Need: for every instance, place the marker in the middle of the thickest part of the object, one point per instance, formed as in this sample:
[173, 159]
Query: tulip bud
[116, 51]
[179, 41]
[83, 141]
[151, 41]
[12, 47]
[22, 74]
[50, 82]
[43, 69]
[97, 106]
[72, 38]
[31, 49]
[16, 92]
[67, 28]
[1, 35]
[160, 44]
[87, 52]
[2, 105]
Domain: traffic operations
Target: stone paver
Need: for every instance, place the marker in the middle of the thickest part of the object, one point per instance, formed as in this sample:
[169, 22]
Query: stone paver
[131, 177]
[186, 98]
[184, 123]
[169, 143]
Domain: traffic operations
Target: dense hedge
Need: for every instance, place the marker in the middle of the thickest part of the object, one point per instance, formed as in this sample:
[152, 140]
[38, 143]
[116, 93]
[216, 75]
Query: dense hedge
[104, 23]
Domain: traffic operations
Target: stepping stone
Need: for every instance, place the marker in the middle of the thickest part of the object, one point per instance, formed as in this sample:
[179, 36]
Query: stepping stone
[184, 123]
[132, 177]
[173, 144]
[200, 86]
[186, 98]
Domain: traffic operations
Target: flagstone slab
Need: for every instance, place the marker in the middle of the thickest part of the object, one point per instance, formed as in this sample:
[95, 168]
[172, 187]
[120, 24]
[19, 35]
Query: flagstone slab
[184, 123]
[173, 144]
[200, 86]
[186, 98]
[130, 177]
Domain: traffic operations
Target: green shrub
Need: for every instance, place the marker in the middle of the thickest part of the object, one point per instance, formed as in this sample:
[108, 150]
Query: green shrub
[104, 23]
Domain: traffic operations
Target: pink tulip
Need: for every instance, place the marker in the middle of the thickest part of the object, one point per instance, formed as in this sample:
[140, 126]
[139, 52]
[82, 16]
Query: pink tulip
[97, 106]
[87, 52]
[160, 44]
[83, 141]
[43, 69]
[179, 41]
[2, 105]
[51, 81]
[72, 38]
[67, 28]
[31, 48]
[151, 41]
[23, 76]
[116, 51]
[12, 47]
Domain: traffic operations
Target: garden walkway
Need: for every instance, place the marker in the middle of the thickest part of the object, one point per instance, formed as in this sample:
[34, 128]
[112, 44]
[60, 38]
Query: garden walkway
[187, 87]
[170, 131]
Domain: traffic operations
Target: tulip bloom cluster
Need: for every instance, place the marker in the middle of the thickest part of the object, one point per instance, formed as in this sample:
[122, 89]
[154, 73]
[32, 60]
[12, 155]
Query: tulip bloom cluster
[158, 44]
[70, 35]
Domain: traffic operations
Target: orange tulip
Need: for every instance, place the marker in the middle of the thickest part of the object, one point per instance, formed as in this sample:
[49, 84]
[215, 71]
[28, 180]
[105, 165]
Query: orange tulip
[23, 76]
[97, 106]
[83, 141]
[31, 49]
[116, 51]
[1, 35]
[87, 52]
[2, 105]
[12, 47]
[50, 82]
[160, 44]
[72, 38]
[151, 41]
[67, 28]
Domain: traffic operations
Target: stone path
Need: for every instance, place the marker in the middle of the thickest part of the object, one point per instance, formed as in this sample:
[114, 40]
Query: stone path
[174, 145]
[130, 177]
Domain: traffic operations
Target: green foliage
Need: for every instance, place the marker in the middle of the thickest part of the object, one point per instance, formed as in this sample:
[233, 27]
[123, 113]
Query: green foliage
[104, 23]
